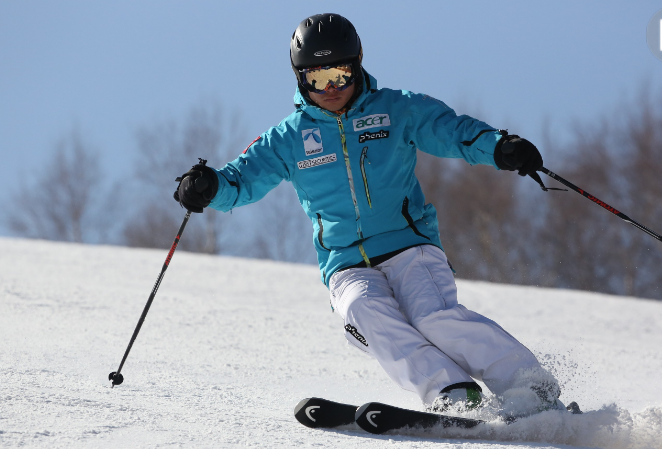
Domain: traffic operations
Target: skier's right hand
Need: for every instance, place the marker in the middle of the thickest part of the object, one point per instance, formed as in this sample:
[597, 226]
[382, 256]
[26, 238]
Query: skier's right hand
[197, 187]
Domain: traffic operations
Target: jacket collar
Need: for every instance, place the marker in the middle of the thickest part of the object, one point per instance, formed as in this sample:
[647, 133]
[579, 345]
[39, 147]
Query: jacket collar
[318, 113]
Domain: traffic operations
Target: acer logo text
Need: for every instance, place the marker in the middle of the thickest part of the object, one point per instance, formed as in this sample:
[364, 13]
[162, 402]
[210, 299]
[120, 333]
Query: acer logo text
[371, 121]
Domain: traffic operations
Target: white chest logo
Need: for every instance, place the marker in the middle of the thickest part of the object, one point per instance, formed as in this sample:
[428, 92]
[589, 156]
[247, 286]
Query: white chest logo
[317, 161]
[312, 141]
[371, 121]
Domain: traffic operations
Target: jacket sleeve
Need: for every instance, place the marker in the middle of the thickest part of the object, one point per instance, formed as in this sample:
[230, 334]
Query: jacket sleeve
[258, 170]
[441, 132]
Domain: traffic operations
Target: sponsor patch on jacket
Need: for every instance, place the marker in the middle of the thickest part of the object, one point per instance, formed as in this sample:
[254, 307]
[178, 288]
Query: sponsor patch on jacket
[249, 145]
[312, 141]
[371, 121]
[317, 161]
[381, 134]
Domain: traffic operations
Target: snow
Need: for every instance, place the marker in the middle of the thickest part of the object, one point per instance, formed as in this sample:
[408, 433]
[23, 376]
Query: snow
[231, 345]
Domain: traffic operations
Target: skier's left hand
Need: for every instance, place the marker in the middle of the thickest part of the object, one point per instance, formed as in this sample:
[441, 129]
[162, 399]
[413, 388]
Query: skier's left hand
[514, 153]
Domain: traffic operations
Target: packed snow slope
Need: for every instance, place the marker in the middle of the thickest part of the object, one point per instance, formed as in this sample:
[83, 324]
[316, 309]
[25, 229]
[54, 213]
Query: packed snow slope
[231, 345]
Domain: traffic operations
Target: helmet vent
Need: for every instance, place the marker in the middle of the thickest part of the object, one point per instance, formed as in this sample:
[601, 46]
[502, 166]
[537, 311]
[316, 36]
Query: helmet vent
[310, 22]
[320, 27]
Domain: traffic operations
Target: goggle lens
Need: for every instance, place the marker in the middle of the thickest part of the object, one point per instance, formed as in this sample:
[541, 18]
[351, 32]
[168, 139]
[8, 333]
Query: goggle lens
[321, 79]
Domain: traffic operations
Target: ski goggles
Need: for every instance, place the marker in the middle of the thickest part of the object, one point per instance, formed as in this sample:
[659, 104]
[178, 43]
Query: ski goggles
[321, 79]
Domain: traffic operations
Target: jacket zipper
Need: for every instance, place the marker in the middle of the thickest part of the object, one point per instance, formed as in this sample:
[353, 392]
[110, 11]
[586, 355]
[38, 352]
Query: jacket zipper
[364, 156]
[345, 153]
[320, 232]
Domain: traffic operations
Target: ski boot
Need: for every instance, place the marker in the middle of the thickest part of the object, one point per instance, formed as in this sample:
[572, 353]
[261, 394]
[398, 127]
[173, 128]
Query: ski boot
[459, 398]
[529, 400]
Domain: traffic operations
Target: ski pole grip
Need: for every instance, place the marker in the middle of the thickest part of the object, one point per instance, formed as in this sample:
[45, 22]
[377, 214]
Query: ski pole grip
[201, 184]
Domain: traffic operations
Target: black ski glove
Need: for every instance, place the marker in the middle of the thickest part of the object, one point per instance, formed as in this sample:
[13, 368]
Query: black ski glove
[197, 187]
[514, 153]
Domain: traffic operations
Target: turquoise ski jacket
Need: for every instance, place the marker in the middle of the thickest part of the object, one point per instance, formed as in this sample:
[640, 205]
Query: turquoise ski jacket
[354, 173]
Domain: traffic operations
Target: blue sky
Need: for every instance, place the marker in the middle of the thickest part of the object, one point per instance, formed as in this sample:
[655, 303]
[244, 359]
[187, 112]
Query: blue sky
[110, 67]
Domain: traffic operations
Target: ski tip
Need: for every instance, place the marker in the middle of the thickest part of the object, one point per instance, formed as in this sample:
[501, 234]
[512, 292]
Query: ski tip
[304, 412]
[298, 415]
[318, 412]
[301, 404]
[367, 418]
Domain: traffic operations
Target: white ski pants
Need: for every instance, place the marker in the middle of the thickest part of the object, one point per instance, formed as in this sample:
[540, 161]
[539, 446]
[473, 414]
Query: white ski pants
[404, 312]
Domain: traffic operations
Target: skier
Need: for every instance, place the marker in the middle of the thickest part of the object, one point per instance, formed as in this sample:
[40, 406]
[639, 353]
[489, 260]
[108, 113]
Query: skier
[349, 150]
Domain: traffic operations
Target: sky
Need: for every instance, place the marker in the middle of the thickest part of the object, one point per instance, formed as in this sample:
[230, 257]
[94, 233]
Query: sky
[108, 69]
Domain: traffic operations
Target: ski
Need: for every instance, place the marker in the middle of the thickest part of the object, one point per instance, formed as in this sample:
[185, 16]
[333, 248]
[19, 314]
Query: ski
[377, 418]
[318, 412]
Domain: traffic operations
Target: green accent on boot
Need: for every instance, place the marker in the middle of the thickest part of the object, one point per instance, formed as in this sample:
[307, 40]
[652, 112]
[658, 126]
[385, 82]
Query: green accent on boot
[473, 398]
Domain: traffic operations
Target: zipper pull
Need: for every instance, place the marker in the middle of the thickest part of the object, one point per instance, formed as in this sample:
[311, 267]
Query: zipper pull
[364, 154]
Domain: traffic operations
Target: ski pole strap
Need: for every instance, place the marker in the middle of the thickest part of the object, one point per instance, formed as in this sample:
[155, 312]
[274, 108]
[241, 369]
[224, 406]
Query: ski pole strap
[536, 178]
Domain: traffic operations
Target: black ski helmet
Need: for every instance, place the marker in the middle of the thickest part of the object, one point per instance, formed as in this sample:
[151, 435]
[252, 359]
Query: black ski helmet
[325, 39]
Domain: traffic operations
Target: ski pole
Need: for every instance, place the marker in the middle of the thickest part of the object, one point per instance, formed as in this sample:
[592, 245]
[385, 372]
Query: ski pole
[116, 377]
[599, 202]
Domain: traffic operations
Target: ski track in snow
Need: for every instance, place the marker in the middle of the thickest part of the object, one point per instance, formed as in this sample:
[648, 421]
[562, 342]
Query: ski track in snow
[231, 345]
